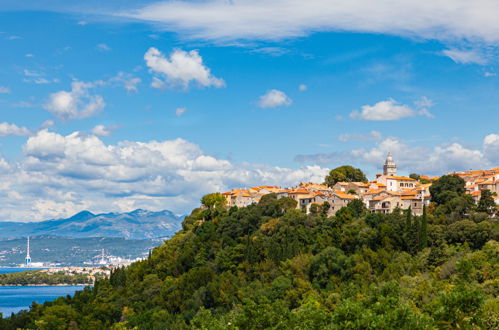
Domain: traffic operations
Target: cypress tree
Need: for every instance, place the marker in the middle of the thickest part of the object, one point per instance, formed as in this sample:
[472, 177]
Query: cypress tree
[424, 230]
[408, 230]
[408, 220]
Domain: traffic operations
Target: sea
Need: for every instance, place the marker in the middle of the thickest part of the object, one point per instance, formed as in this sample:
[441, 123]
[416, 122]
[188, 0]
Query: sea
[16, 298]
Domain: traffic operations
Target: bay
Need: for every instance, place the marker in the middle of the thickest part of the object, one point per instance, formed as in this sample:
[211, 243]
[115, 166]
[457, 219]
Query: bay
[16, 298]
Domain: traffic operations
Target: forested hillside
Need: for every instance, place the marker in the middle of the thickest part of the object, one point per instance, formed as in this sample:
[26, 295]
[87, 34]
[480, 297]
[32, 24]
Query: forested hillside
[272, 266]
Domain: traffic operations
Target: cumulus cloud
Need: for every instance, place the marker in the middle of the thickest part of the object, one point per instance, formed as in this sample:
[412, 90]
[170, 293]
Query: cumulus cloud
[274, 98]
[180, 111]
[430, 160]
[62, 174]
[180, 69]
[384, 110]
[4, 90]
[257, 19]
[101, 130]
[302, 87]
[491, 148]
[75, 104]
[7, 129]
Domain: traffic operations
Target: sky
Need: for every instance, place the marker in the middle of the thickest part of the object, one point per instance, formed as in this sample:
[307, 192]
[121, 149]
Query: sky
[139, 104]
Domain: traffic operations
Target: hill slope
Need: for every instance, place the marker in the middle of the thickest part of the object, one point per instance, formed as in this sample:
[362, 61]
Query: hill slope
[139, 224]
[265, 266]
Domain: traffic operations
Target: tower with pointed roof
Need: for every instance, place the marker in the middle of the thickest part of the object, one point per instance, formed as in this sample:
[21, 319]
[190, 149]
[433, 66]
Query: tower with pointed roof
[390, 168]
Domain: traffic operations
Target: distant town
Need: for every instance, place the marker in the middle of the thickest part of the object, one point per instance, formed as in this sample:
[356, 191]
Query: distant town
[384, 194]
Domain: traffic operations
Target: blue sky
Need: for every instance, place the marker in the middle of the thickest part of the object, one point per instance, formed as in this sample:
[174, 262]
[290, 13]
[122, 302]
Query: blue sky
[125, 106]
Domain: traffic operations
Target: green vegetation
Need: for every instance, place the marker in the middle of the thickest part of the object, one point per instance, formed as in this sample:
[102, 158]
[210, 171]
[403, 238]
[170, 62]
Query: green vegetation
[344, 173]
[37, 277]
[272, 266]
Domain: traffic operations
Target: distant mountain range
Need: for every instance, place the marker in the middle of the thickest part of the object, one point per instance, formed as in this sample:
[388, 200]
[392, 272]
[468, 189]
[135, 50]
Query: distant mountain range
[139, 224]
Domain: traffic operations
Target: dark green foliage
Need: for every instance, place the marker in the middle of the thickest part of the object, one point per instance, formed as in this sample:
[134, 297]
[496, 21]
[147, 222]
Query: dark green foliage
[424, 229]
[269, 265]
[446, 188]
[344, 173]
[486, 203]
[36, 277]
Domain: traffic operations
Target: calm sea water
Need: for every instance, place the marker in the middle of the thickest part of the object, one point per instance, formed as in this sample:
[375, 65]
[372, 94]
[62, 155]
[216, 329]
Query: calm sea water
[16, 298]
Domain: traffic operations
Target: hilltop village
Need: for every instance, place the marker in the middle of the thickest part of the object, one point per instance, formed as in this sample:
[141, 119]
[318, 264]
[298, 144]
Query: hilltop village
[382, 195]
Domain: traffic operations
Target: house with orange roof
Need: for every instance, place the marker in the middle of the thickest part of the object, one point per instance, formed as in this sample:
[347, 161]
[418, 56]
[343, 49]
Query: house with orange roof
[396, 183]
[239, 198]
[360, 188]
[337, 200]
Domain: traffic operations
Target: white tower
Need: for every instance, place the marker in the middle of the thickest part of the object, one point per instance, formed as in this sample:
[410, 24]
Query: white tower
[27, 260]
[390, 168]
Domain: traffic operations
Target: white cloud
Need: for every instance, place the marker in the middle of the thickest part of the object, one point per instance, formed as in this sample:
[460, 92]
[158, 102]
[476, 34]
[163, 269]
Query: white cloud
[491, 148]
[128, 81]
[47, 124]
[274, 98]
[489, 74]
[103, 47]
[466, 56]
[7, 129]
[426, 113]
[37, 77]
[271, 51]
[384, 110]
[436, 160]
[4, 90]
[180, 69]
[180, 111]
[258, 19]
[75, 104]
[80, 171]
[101, 130]
[82, 23]
[424, 102]
[302, 87]
[372, 136]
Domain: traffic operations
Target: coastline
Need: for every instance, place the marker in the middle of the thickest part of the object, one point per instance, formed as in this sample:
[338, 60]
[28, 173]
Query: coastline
[45, 284]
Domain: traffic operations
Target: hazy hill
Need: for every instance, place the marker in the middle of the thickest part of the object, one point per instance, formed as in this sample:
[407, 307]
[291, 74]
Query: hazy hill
[139, 224]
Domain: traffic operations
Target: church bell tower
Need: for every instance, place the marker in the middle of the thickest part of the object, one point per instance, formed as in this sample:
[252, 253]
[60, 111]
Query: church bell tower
[390, 168]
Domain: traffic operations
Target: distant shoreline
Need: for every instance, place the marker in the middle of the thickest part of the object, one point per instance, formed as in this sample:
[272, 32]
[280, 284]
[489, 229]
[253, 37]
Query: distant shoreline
[45, 284]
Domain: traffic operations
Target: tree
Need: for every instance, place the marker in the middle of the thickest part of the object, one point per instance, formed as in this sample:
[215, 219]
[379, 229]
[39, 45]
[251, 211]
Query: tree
[415, 176]
[446, 188]
[344, 173]
[486, 203]
[287, 203]
[424, 230]
[357, 207]
[215, 200]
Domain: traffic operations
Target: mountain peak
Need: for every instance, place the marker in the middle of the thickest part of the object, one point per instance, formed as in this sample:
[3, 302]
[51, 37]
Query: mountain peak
[83, 215]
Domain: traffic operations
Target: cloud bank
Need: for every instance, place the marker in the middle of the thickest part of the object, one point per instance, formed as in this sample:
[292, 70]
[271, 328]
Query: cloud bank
[60, 175]
[427, 160]
[445, 20]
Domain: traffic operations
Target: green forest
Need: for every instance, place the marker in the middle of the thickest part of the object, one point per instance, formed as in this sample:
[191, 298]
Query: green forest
[38, 277]
[271, 266]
